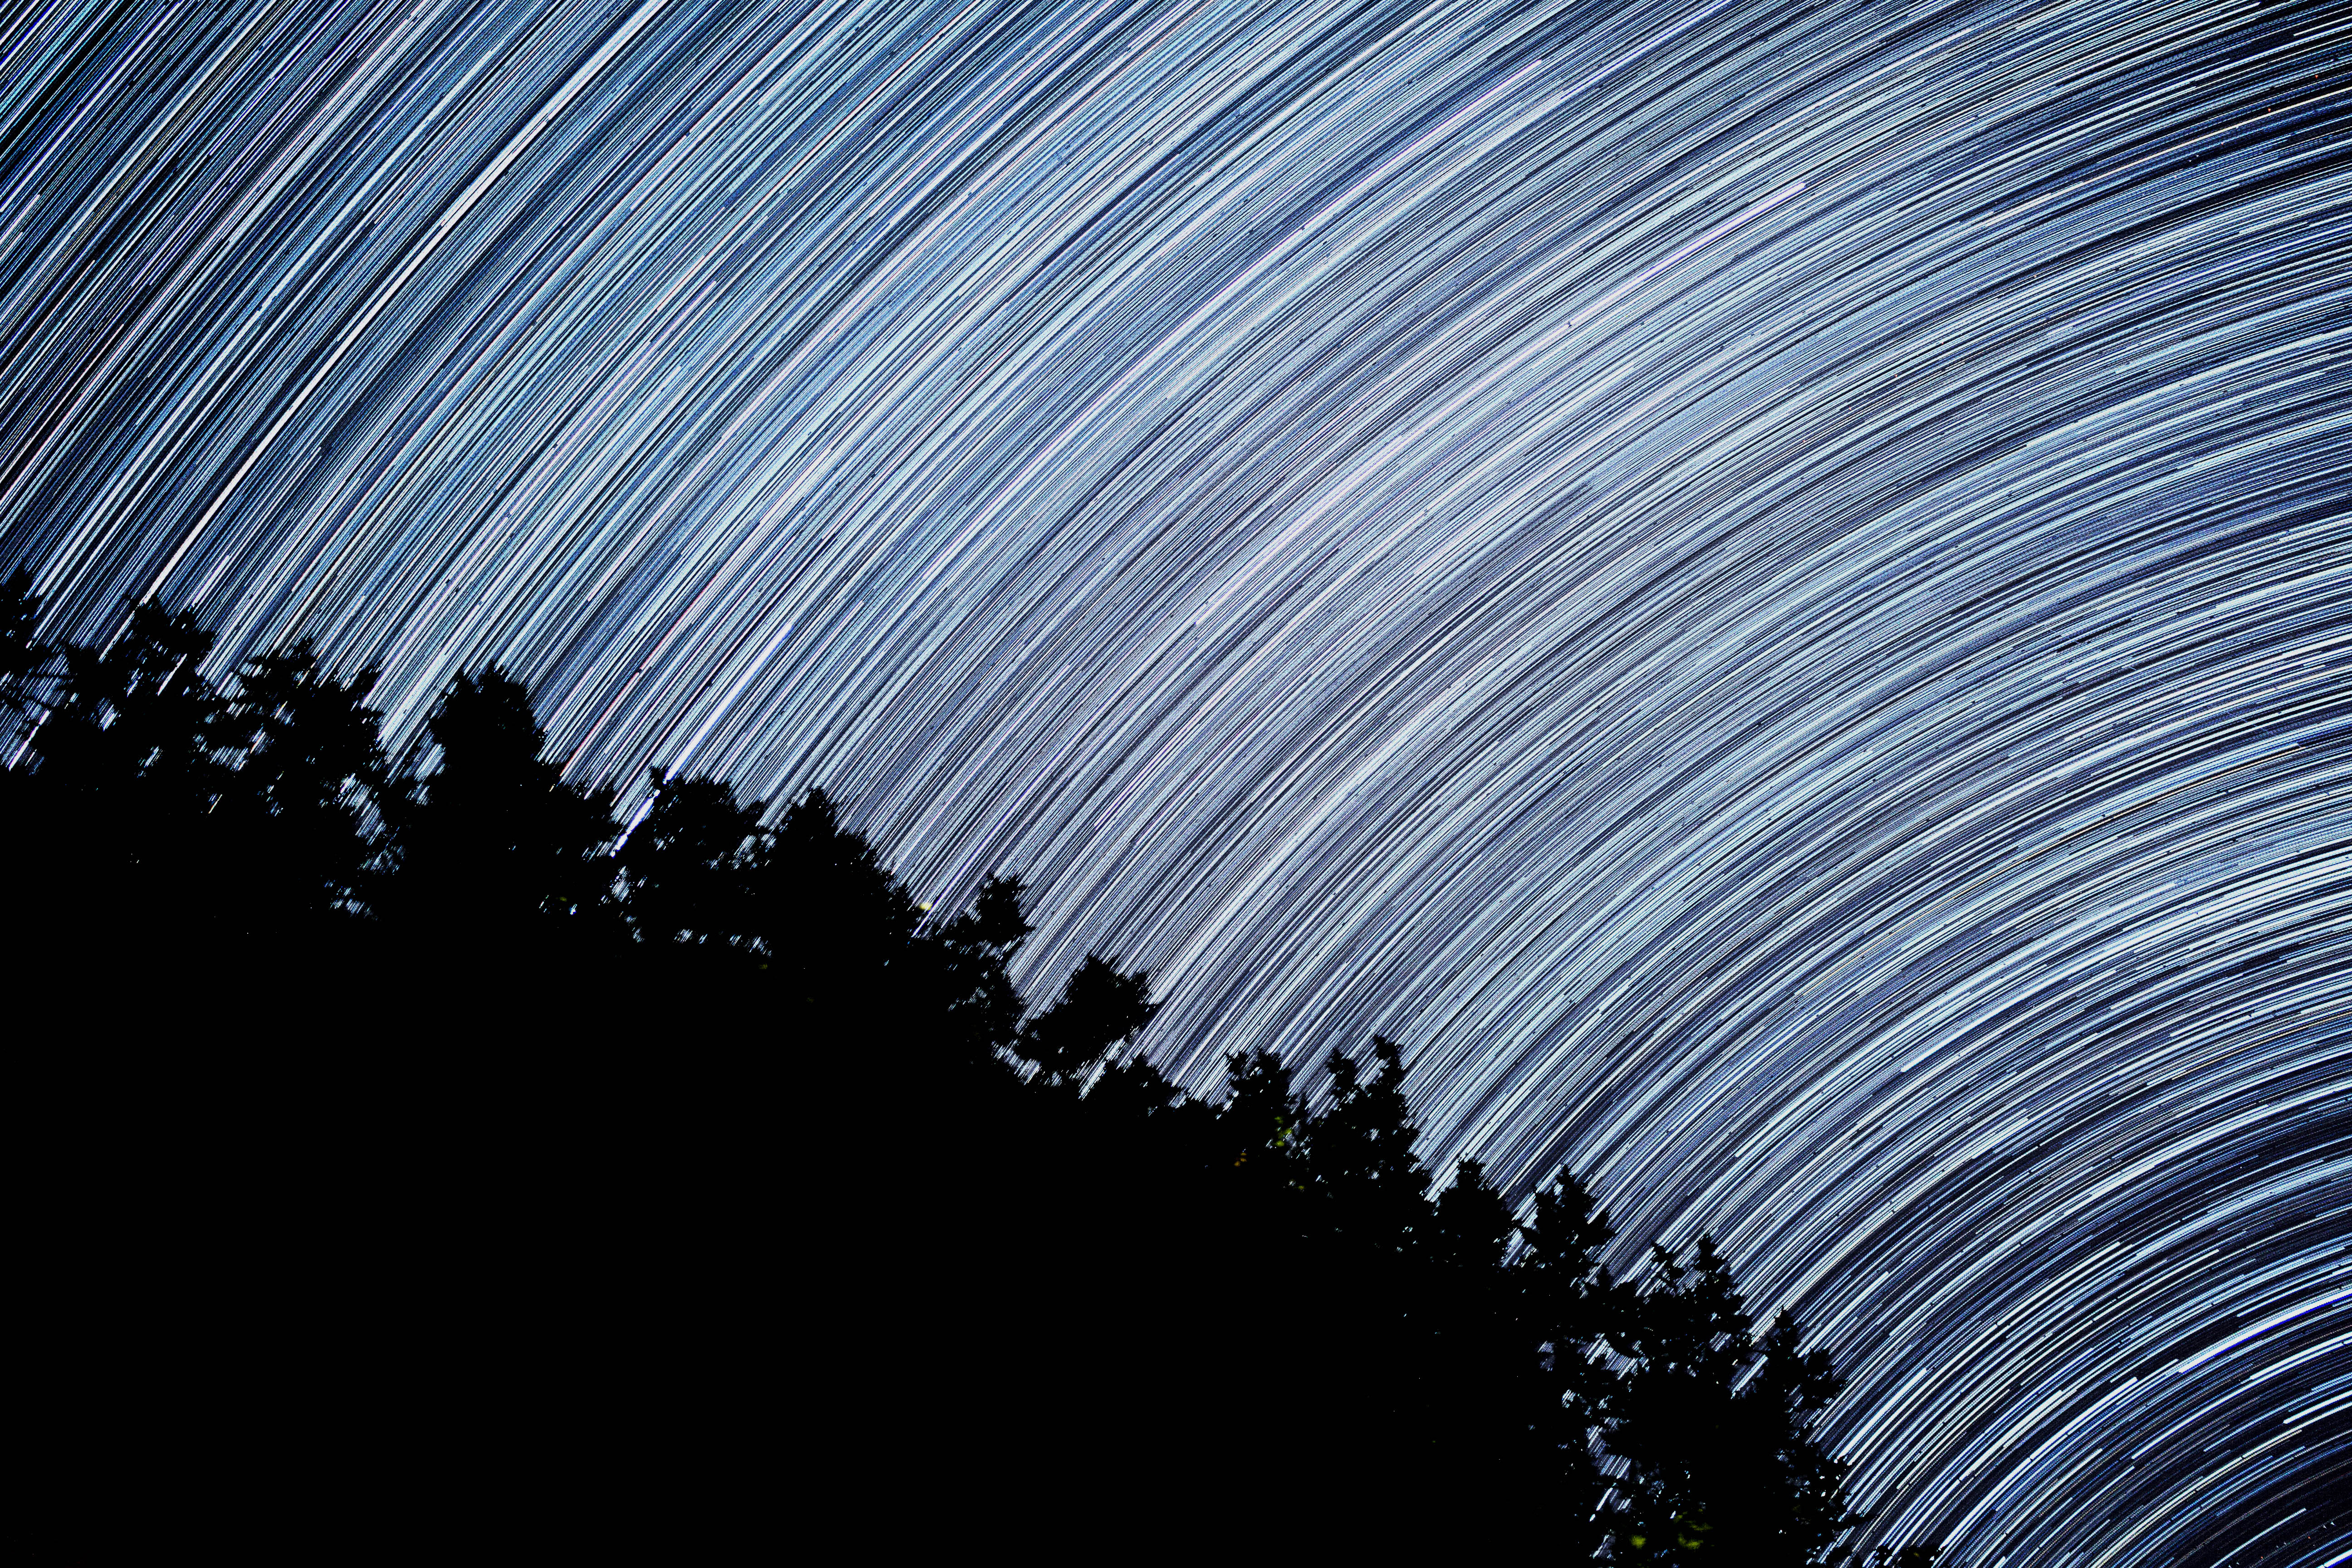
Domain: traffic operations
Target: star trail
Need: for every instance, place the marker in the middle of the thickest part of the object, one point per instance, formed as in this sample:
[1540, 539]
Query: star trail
[1766, 587]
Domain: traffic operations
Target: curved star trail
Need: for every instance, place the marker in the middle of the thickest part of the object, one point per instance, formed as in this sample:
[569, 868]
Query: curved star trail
[1766, 587]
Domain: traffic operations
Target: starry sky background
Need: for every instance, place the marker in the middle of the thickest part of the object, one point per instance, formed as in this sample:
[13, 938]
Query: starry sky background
[1766, 586]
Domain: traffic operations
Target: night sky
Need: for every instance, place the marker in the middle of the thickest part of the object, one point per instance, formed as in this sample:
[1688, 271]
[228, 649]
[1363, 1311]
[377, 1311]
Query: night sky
[1768, 587]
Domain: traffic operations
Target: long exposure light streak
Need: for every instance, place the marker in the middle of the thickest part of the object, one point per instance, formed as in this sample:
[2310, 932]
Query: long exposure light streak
[1766, 587]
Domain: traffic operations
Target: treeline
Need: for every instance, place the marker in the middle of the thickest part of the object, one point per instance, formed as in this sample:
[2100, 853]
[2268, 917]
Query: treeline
[980, 1250]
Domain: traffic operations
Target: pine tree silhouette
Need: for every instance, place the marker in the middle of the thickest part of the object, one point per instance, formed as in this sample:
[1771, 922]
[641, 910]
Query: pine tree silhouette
[498, 863]
[1564, 1392]
[1360, 1157]
[1044, 1258]
[1720, 1466]
[836, 931]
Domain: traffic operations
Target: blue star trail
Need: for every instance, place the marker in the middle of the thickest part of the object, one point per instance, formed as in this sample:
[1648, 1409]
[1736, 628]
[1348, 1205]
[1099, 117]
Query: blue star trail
[1767, 588]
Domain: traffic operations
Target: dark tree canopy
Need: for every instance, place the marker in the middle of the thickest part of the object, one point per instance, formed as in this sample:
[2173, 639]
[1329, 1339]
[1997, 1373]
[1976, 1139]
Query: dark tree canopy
[1099, 1009]
[686, 869]
[493, 844]
[22, 655]
[310, 771]
[1044, 1271]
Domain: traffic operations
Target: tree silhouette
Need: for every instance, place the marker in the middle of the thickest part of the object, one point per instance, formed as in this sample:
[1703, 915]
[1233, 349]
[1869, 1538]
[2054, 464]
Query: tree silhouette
[1359, 1156]
[1471, 1225]
[139, 720]
[835, 929]
[115, 801]
[1470, 1419]
[1129, 1088]
[496, 857]
[686, 869]
[1565, 1394]
[1721, 1461]
[978, 1006]
[24, 658]
[1799, 1495]
[1070, 1260]
[1099, 1009]
[311, 770]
